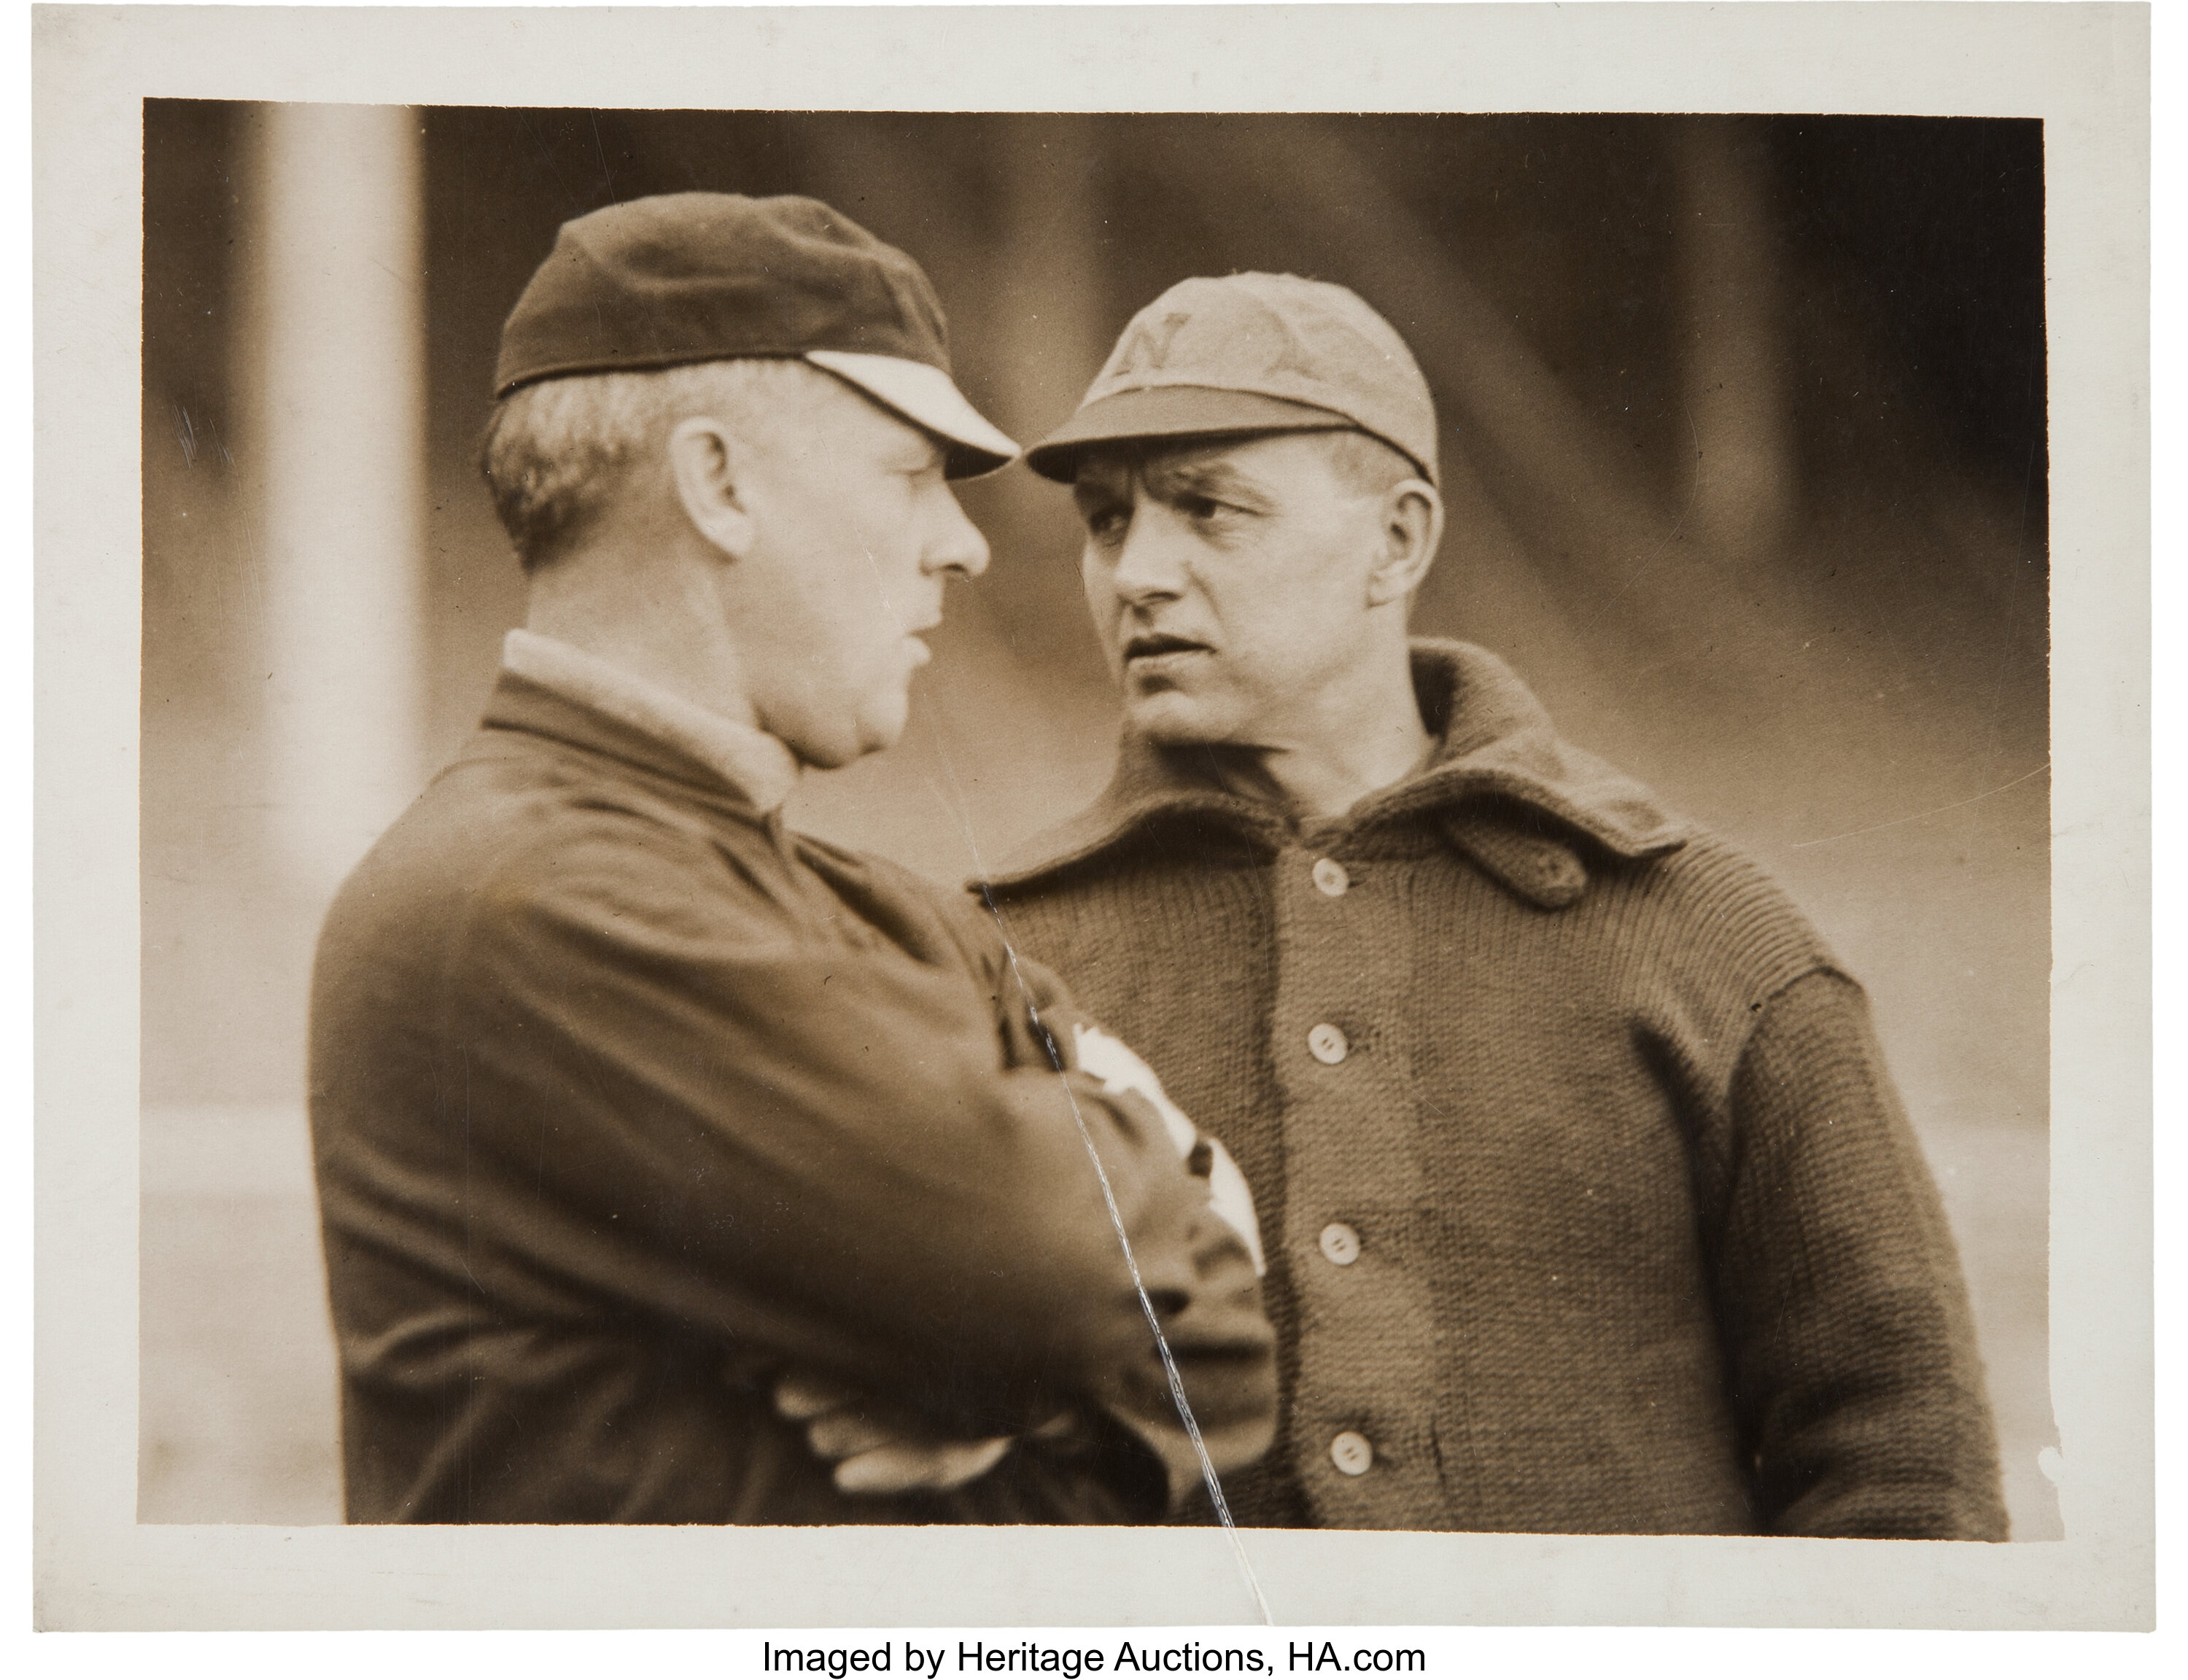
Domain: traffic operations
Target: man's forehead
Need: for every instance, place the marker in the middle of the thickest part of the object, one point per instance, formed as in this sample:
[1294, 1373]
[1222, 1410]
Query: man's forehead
[1197, 459]
[838, 411]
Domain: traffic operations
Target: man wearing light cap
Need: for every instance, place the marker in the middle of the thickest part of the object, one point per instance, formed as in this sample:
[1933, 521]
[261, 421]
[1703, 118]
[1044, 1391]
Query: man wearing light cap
[1589, 1204]
[652, 1137]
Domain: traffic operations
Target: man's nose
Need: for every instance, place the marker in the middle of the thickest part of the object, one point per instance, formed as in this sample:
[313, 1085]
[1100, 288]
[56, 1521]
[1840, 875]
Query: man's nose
[1149, 564]
[954, 544]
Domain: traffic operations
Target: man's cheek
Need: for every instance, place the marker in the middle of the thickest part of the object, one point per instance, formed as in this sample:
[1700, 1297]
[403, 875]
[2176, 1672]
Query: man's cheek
[1107, 614]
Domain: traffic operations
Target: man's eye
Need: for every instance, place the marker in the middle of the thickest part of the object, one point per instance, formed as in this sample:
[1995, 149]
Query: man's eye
[1107, 525]
[1200, 507]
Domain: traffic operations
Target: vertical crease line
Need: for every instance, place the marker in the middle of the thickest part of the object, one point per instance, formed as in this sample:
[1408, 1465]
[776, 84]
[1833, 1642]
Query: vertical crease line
[1214, 1482]
[1131, 1264]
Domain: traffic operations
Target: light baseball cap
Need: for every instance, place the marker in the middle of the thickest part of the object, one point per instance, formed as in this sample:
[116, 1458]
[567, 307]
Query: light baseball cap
[707, 277]
[1251, 354]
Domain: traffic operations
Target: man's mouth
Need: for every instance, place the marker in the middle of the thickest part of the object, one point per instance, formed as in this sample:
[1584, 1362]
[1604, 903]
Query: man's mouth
[1155, 645]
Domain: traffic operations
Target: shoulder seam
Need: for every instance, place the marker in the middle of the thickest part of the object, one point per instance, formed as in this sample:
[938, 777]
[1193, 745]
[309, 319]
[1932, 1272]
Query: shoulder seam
[1822, 963]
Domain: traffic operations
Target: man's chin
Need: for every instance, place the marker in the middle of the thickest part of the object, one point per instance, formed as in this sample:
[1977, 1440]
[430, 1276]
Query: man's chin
[882, 726]
[1170, 718]
[845, 741]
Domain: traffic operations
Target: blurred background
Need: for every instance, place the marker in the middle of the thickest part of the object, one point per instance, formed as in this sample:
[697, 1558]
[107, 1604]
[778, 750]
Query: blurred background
[1747, 467]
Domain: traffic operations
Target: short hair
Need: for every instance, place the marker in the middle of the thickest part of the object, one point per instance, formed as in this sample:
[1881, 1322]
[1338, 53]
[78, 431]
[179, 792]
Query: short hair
[1367, 466]
[554, 453]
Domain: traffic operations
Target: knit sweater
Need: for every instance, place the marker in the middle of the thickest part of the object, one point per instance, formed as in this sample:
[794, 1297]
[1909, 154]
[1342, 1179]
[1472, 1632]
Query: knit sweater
[626, 1100]
[1589, 1204]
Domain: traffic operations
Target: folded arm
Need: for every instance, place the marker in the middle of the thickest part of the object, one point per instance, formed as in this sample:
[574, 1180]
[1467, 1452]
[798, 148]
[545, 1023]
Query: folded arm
[879, 1448]
[816, 1150]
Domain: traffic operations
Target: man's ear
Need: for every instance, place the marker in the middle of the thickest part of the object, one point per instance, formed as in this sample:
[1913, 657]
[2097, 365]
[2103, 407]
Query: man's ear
[707, 462]
[1412, 527]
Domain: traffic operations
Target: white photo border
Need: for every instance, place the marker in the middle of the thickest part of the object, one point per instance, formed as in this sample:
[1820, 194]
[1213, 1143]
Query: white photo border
[2084, 70]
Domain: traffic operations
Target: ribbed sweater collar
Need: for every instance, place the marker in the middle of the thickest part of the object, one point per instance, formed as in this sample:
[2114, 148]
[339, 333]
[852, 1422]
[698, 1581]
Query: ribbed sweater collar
[1494, 740]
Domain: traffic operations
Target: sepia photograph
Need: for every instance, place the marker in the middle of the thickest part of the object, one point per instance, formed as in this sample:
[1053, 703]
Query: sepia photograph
[1516, 689]
[1287, 821]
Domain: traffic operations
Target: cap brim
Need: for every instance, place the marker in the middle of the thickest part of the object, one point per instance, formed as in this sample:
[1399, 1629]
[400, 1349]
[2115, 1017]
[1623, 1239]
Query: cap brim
[927, 397]
[1173, 411]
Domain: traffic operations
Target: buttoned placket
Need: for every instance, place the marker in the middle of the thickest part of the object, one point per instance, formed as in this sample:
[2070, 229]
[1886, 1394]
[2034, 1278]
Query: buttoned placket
[1362, 1442]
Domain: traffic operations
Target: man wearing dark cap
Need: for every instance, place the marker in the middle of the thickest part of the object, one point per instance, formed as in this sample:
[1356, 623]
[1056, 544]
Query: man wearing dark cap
[1590, 1206]
[650, 1134]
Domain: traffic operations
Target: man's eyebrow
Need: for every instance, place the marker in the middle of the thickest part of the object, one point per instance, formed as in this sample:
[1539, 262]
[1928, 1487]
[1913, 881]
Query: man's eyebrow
[1213, 476]
[1096, 487]
[919, 454]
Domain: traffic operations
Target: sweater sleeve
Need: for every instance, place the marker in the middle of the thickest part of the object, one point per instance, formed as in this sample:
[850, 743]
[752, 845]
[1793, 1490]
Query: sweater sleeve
[1852, 1367]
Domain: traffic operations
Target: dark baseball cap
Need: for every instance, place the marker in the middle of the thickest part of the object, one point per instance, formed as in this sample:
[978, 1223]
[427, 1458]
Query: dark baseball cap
[707, 277]
[1251, 354]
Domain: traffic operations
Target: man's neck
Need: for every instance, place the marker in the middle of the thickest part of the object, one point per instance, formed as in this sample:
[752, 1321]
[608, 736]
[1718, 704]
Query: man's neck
[1351, 743]
[643, 618]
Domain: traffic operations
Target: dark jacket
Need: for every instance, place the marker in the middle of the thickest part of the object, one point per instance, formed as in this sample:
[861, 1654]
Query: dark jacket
[1597, 1212]
[624, 1099]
